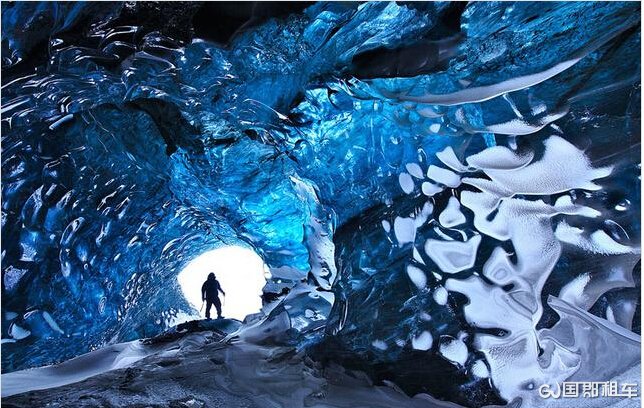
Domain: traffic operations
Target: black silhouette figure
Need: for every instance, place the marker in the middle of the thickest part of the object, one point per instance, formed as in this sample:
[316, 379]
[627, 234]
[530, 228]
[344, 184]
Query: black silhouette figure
[210, 293]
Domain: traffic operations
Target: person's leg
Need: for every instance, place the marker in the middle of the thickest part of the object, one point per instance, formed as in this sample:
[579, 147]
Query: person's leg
[208, 306]
[218, 307]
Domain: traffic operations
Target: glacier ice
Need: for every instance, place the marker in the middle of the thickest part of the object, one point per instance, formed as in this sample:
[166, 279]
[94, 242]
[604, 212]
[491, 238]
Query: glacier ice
[447, 195]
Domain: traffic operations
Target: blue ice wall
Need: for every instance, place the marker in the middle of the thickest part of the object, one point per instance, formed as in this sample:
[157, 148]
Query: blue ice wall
[127, 153]
[385, 160]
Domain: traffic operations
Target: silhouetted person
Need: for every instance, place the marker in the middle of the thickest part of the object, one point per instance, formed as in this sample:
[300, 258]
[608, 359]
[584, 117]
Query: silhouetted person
[210, 293]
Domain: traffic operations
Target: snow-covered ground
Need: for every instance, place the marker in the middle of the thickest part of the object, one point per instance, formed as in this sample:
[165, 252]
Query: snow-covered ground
[214, 364]
[77, 369]
[199, 369]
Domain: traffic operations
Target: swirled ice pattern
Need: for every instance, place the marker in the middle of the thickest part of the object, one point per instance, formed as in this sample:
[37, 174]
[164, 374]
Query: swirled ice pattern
[449, 193]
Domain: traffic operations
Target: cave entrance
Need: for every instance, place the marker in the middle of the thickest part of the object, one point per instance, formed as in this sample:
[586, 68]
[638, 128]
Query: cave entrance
[239, 270]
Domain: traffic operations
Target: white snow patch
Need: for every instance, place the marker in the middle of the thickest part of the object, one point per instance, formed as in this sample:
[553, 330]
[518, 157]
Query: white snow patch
[415, 170]
[434, 127]
[406, 182]
[484, 93]
[440, 295]
[417, 276]
[429, 189]
[51, 322]
[18, 332]
[443, 176]
[452, 215]
[598, 242]
[448, 157]
[453, 349]
[405, 230]
[480, 370]
[77, 369]
[423, 341]
[453, 256]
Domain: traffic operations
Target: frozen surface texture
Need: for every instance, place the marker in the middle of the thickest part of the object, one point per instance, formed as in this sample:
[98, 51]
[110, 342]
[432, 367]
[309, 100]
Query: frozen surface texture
[200, 369]
[447, 195]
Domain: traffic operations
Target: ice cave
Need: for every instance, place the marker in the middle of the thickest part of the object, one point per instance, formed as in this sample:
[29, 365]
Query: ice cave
[407, 204]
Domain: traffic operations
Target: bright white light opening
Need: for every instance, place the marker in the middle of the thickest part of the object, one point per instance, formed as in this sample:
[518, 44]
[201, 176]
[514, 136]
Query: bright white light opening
[240, 271]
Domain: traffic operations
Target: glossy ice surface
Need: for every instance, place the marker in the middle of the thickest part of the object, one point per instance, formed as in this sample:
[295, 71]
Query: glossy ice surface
[450, 192]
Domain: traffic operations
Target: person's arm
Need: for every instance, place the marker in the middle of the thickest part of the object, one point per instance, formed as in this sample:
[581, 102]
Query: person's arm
[203, 291]
[220, 289]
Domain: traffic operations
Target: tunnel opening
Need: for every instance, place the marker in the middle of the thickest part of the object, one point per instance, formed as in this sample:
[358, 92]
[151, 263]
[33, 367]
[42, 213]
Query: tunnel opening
[241, 273]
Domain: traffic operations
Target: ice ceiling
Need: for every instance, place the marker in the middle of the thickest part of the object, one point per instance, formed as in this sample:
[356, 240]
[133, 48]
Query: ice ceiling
[449, 193]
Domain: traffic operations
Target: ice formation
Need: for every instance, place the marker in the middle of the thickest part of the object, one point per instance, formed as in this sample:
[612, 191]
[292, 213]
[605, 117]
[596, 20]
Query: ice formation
[447, 194]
